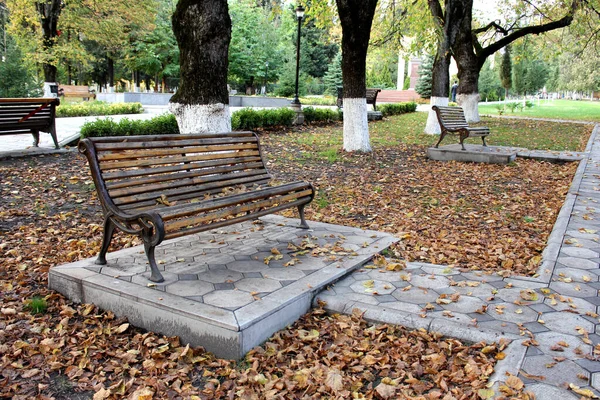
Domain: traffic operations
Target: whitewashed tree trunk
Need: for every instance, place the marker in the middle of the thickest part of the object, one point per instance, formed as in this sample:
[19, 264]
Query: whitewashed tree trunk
[433, 126]
[356, 126]
[202, 118]
[470, 105]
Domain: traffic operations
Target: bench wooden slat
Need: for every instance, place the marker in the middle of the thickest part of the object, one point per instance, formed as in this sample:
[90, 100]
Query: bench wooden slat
[172, 168]
[207, 189]
[166, 181]
[179, 211]
[238, 209]
[138, 145]
[452, 120]
[148, 162]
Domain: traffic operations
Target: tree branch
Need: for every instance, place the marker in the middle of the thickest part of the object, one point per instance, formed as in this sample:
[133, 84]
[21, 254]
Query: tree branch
[493, 24]
[566, 20]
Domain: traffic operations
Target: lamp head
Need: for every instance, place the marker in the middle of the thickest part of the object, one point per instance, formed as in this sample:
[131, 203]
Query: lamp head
[300, 12]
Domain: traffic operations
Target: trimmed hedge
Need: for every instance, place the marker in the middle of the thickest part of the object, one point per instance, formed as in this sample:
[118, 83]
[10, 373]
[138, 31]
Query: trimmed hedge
[397, 108]
[95, 108]
[312, 114]
[165, 124]
[248, 118]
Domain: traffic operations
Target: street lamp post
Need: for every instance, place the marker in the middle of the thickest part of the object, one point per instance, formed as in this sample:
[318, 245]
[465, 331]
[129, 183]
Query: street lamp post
[266, 73]
[296, 102]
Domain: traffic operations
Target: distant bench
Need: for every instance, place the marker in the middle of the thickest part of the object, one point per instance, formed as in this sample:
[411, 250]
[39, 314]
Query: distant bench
[452, 120]
[29, 115]
[371, 97]
[76, 91]
[168, 186]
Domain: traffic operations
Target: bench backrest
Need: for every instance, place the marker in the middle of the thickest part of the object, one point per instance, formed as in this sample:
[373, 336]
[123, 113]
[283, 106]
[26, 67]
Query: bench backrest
[371, 95]
[451, 117]
[27, 114]
[137, 172]
[74, 89]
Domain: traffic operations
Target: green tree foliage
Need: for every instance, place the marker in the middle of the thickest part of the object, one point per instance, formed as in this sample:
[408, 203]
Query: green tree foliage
[506, 71]
[423, 86]
[254, 41]
[333, 77]
[490, 87]
[382, 68]
[529, 71]
[15, 78]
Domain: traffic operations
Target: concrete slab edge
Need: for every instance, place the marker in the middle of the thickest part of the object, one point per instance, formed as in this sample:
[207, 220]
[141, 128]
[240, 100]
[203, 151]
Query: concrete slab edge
[511, 364]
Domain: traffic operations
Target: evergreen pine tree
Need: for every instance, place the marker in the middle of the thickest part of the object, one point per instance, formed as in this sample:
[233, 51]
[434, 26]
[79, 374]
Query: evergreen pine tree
[506, 71]
[333, 76]
[15, 79]
[423, 86]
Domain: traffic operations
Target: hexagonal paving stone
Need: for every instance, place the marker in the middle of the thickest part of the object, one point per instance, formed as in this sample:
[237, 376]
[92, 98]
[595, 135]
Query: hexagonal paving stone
[259, 285]
[580, 263]
[483, 290]
[415, 296]
[309, 263]
[549, 339]
[373, 286]
[220, 276]
[214, 259]
[465, 304]
[578, 252]
[142, 279]
[284, 274]
[544, 391]
[578, 275]
[566, 322]
[363, 298]
[228, 298]
[190, 288]
[247, 266]
[383, 275]
[513, 294]
[575, 304]
[574, 289]
[512, 313]
[596, 381]
[563, 372]
[117, 270]
[438, 282]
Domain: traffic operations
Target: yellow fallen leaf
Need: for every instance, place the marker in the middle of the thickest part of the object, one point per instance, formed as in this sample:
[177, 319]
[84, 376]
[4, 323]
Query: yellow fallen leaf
[583, 392]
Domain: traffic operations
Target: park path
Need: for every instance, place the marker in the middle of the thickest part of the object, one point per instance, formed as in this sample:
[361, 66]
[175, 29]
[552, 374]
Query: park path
[552, 318]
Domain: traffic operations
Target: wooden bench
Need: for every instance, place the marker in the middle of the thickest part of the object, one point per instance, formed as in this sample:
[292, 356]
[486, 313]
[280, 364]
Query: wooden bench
[371, 97]
[166, 186]
[452, 120]
[29, 115]
[76, 91]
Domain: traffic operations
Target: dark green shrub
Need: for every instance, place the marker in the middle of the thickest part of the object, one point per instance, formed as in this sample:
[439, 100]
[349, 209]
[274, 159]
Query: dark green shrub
[312, 114]
[397, 108]
[161, 125]
[94, 108]
[248, 118]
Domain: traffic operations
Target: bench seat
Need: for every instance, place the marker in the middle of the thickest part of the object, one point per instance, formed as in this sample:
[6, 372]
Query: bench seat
[167, 186]
[452, 120]
[371, 97]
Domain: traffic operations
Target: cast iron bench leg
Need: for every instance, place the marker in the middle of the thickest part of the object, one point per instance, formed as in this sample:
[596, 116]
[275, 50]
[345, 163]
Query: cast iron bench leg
[36, 138]
[109, 230]
[441, 138]
[483, 139]
[155, 275]
[303, 223]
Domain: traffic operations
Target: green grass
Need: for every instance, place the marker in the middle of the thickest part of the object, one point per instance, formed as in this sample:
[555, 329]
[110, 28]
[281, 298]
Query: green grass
[556, 109]
[408, 128]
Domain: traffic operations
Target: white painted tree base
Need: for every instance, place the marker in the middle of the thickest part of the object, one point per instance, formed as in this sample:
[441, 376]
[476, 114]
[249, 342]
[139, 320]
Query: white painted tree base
[47, 91]
[433, 126]
[202, 118]
[356, 126]
[470, 105]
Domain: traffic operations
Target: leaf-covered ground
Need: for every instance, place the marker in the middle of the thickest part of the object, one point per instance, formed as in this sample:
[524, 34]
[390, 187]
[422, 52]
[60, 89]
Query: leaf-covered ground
[476, 216]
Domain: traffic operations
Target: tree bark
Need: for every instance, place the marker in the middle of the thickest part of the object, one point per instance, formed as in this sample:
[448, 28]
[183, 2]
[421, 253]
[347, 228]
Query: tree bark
[203, 32]
[356, 17]
[49, 11]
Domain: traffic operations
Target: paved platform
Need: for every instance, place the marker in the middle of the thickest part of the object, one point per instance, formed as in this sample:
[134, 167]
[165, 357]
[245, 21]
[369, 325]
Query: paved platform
[227, 290]
[551, 318]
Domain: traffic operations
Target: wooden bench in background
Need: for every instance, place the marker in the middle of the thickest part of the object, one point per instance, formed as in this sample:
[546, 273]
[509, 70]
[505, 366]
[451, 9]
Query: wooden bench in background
[76, 91]
[371, 97]
[29, 115]
[452, 120]
[166, 186]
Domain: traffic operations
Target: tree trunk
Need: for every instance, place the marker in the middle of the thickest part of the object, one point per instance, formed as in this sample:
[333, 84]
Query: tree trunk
[203, 33]
[111, 74]
[49, 12]
[356, 17]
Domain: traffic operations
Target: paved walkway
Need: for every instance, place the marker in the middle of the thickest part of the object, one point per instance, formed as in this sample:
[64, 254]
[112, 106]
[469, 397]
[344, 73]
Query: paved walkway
[551, 318]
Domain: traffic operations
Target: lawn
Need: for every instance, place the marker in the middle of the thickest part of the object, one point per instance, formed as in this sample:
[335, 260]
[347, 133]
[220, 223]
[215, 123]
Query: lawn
[554, 109]
[475, 216]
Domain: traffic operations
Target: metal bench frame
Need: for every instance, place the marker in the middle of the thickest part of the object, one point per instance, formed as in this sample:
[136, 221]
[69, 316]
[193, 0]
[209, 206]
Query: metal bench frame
[452, 120]
[29, 115]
